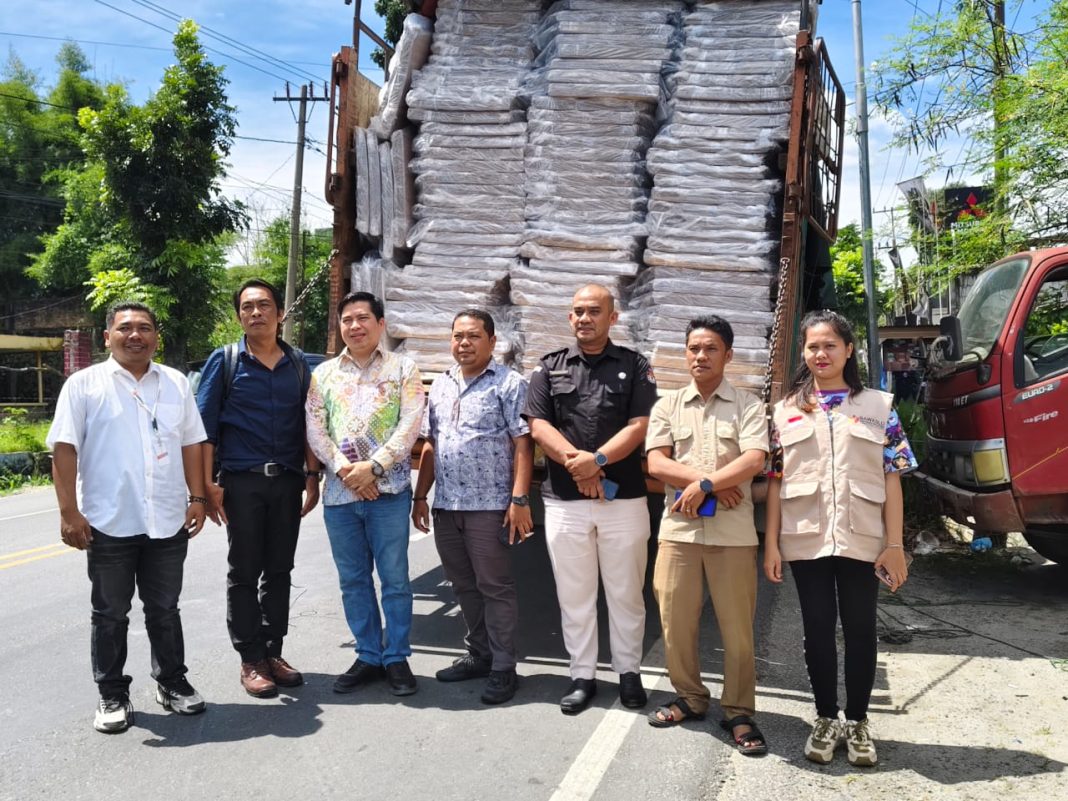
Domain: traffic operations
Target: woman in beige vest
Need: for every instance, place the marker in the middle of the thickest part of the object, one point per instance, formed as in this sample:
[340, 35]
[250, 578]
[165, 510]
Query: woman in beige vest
[834, 512]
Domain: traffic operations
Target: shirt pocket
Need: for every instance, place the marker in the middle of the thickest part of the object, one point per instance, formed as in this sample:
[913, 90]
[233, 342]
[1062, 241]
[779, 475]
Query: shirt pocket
[800, 507]
[564, 393]
[727, 447]
[868, 446]
[866, 498]
[682, 439]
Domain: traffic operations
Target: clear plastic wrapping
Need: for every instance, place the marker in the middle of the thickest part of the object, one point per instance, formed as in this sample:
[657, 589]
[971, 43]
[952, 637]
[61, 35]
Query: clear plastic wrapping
[412, 51]
[363, 182]
[386, 170]
[403, 185]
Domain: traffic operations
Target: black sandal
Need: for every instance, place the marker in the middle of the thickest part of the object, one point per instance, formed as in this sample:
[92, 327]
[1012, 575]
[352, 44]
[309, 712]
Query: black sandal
[668, 720]
[752, 743]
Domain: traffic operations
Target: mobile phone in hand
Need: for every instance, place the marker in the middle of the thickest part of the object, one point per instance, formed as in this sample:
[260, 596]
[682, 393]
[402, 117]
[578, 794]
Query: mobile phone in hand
[610, 487]
[504, 532]
[707, 507]
[884, 576]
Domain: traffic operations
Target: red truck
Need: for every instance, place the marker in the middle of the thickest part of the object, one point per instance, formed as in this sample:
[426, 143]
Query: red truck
[997, 404]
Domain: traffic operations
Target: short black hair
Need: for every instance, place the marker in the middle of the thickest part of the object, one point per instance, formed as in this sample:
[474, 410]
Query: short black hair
[478, 314]
[129, 305]
[258, 282]
[715, 324]
[370, 299]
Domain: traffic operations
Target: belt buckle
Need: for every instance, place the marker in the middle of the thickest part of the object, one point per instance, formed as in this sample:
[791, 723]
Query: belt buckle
[272, 469]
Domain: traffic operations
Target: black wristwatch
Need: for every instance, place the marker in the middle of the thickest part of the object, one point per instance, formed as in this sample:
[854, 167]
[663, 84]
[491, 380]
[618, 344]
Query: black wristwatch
[313, 474]
[521, 500]
[377, 470]
[706, 485]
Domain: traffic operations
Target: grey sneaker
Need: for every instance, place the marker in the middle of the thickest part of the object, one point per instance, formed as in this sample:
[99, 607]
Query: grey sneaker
[501, 687]
[114, 715]
[860, 747]
[180, 697]
[820, 745]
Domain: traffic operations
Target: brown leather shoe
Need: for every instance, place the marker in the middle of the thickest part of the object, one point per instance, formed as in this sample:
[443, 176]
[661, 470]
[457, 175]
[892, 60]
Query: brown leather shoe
[256, 679]
[285, 675]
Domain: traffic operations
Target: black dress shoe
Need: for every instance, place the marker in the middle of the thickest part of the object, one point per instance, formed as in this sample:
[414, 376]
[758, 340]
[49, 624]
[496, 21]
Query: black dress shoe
[631, 693]
[360, 673]
[578, 696]
[400, 678]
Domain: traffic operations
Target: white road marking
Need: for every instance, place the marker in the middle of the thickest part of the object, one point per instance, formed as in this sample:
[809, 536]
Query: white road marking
[29, 514]
[593, 761]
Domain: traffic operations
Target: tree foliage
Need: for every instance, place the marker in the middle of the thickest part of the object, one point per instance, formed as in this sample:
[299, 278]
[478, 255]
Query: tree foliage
[39, 144]
[148, 203]
[847, 267]
[392, 13]
[966, 74]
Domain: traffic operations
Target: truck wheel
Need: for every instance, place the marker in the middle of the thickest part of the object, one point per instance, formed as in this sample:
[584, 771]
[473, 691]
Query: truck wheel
[1050, 541]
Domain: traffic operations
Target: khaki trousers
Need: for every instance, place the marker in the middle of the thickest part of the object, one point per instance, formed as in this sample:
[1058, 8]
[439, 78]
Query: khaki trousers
[678, 581]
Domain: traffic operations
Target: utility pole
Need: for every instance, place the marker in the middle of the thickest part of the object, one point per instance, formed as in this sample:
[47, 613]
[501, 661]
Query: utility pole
[874, 358]
[294, 215]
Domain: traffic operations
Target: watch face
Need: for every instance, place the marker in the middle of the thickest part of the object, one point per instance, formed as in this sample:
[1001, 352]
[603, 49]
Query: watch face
[600, 459]
[706, 485]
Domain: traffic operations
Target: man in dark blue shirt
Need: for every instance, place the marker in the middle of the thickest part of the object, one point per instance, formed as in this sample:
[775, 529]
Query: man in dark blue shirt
[254, 419]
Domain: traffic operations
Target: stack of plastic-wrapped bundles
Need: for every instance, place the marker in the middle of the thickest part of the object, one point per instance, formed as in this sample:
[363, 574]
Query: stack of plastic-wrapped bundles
[595, 88]
[384, 187]
[467, 158]
[712, 244]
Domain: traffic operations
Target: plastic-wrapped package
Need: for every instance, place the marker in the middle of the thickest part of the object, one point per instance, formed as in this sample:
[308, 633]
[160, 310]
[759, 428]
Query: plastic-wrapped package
[403, 185]
[412, 51]
[374, 187]
[386, 169]
[363, 182]
[369, 275]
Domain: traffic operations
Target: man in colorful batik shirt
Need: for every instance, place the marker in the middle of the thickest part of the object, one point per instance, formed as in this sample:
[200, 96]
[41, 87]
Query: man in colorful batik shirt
[364, 411]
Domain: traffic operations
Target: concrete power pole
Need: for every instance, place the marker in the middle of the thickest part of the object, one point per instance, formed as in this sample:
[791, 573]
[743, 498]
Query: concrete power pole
[874, 357]
[292, 272]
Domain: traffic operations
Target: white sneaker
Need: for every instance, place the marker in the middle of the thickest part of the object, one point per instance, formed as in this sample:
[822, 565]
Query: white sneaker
[820, 745]
[859, 743]
[113, 715]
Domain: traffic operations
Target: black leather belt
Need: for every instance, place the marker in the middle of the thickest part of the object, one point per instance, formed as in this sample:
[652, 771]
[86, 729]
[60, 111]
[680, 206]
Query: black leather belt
[270, 469]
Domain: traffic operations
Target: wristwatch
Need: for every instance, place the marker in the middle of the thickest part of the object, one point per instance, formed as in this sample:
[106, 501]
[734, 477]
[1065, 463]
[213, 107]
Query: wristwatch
[706, 485]
[313, 473]
[377, 470]
[521, 500]
[600, 459]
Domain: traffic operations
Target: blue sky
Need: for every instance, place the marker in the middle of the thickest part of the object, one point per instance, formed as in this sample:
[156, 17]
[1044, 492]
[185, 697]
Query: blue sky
[305, 35]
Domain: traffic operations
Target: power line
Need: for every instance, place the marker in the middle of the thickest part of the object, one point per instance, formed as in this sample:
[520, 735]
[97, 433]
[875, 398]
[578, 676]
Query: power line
[83, 41]
[169, 33]
[244, 48]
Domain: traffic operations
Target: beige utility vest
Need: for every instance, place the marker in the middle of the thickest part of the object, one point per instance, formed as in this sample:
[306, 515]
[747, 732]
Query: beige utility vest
[834, 483]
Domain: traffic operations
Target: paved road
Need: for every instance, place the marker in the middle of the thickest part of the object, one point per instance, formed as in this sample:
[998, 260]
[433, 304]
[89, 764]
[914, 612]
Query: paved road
[973, 699]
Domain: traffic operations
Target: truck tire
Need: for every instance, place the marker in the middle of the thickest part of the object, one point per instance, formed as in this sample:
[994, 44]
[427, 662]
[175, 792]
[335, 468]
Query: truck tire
[1050, 541]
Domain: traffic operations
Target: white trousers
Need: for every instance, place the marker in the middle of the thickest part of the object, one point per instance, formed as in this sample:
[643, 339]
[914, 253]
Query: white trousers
[612, 536]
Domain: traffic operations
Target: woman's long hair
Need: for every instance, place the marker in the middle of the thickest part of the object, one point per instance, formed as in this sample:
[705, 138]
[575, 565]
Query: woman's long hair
[803, 389]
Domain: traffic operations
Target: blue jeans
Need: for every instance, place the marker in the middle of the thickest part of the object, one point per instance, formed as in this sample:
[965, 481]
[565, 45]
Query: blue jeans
[366, 535]
[115, 565]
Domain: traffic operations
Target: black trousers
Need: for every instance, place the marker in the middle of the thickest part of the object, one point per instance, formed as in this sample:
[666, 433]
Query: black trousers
[155, 566]
[264, 521]
[831, 588]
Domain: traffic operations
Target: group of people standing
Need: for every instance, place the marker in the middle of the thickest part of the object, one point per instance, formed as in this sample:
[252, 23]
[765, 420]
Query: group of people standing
[253, 447]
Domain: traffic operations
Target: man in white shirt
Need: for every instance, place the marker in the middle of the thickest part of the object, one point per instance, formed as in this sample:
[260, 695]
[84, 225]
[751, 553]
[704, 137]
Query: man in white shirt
[126, 442]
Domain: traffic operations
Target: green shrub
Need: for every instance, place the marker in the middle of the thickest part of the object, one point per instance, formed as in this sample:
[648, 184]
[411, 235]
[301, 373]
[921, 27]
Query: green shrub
[18, 433]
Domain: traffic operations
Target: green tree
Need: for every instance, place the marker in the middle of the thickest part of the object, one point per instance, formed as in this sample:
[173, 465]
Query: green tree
[847, 267]
[149, 200]
[39, 143]
[392, 13]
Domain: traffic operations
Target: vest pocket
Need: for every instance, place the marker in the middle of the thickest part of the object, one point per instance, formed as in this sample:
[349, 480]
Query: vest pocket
[800, 507]
[866, 499]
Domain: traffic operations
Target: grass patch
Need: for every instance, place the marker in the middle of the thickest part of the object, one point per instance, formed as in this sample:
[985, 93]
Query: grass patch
[11, 483]
[17, 433]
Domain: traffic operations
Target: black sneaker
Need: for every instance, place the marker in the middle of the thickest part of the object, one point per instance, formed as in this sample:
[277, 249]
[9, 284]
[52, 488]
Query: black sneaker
[466, 667]
[400, 678]
[179, 696]
[359, 674]
[114, 715]
[501, 687]
[631, 693]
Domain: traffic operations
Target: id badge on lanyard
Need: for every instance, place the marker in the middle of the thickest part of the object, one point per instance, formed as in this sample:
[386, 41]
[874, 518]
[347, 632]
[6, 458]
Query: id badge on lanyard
[160, 451]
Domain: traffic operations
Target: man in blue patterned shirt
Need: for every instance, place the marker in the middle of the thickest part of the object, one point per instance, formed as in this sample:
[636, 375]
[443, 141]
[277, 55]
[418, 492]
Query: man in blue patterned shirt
[478, 448]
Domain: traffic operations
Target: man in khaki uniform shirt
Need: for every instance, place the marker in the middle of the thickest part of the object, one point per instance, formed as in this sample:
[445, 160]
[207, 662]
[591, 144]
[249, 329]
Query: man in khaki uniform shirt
[706, 439]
